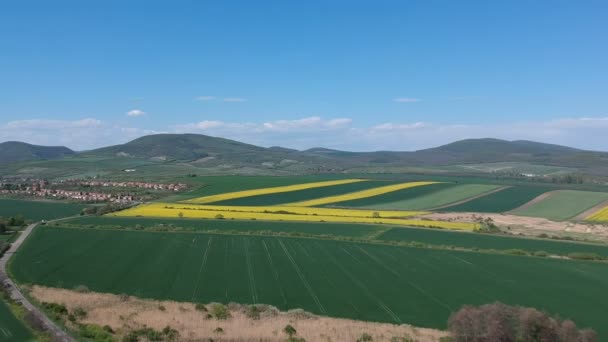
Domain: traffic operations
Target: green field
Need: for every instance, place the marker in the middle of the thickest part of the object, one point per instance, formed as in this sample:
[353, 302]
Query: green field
[310, 228]
[501, 201]
[441, 195]
[564, 204]
[487, 241]
[38, 210]
[12, 329]
[360, 281]
[302, 195]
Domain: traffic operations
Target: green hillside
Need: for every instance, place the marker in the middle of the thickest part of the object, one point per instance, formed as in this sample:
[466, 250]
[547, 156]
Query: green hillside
[14, 151]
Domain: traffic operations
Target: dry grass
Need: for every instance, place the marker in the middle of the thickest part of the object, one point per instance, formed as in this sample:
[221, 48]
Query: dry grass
[124, 314]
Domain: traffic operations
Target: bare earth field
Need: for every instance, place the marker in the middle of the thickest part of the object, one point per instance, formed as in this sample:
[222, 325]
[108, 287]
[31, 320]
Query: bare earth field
[531, 225]
[124, 315]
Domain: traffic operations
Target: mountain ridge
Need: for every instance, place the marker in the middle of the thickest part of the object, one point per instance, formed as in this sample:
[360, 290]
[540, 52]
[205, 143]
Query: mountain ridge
[202, 149]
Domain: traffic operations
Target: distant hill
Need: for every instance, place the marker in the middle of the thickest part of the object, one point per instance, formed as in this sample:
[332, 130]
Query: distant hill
[14, 151]
[185, 147]
[225, 155]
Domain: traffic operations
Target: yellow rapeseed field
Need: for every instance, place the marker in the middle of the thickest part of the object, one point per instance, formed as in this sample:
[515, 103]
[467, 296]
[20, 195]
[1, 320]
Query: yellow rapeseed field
[265, 191]
[219, 212]
[600, 216]
[281, 209]
[358, 194]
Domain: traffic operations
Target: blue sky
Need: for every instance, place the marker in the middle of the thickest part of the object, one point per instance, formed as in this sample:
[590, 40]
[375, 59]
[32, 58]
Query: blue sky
[356, 75]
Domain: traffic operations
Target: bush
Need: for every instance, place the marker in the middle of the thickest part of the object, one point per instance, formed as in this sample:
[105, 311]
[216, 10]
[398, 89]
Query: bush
[252, 312]
[56, 311]
[541, 254]
[365, 338]
[200, 307]
[290, 330]
[500, 322]
[81, 289]
[219, 311]
[95, 333]
[516, 252]
[80, 313]
[585, 256]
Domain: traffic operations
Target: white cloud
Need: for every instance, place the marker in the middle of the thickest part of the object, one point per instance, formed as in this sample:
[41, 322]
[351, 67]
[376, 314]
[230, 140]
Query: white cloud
[234, 99]
[205, 98]
[81, 134]
[314, 131]
[406, 99]
[136, 112]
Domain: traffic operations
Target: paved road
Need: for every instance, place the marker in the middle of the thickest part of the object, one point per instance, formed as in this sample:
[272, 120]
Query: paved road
[58, 334]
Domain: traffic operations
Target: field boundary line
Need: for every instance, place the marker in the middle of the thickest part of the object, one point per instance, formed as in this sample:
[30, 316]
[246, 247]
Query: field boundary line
[469, 199]
[252, 288]
[15, 293]
[537, 199]
[301, 275]
[590, 212]
[201, 268]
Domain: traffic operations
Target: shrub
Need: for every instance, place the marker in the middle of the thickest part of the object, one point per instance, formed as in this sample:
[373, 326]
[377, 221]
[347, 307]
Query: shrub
[585, 256]
[516, 252]
[57, 311]
[95, 333]
[401, 339]
[365, 338]
[541, 254]
[219, 311]
[200, 307]
[170, 334]
[253, 312]
[80, 313]
[290, 330]
[219, 217]
[218, 330]
[81, 289]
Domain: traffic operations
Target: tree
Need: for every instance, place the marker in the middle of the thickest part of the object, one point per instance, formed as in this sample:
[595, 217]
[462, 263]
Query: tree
[180, 214]
[2, 228]
[500, 322]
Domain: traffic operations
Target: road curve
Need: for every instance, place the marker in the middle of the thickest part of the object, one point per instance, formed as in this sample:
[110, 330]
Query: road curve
[50, 326]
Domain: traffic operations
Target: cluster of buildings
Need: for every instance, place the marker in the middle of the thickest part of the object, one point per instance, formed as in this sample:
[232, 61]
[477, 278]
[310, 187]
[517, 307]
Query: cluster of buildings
[139, 185]
[81, 196]
[65, 190]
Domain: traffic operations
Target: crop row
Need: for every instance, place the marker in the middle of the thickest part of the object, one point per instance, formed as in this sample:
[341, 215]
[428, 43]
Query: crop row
[273, 190]
[359, 194]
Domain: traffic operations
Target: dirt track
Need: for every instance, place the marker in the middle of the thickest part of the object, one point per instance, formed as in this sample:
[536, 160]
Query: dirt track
[532, 226]
[15, 293]
[534, 201]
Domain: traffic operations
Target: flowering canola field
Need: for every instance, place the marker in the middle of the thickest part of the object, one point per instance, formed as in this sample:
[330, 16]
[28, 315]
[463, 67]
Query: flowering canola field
[283, 213]
[359, 194]
[273, 190]
[600, 216]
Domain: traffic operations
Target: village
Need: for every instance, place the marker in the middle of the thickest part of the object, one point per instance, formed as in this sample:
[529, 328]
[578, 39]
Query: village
[86, 191]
